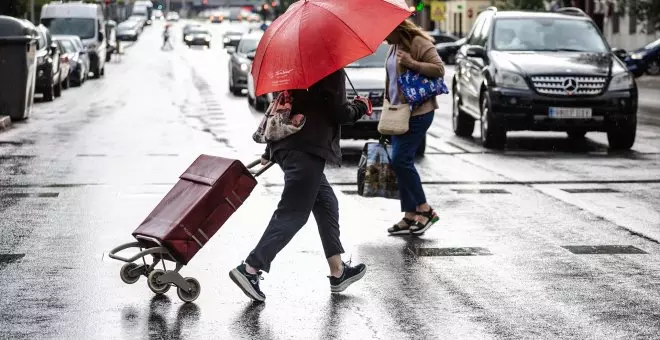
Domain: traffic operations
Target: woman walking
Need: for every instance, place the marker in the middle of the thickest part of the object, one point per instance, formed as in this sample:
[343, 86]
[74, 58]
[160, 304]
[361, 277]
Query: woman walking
[302, 157]
[411, 49]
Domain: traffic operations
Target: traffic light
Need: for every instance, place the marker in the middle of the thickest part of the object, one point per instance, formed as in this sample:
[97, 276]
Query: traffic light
[419, 6]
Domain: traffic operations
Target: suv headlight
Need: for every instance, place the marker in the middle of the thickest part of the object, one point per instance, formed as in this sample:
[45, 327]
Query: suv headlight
[244, 67]
[637, 56]
[510, 80]
[621, 81]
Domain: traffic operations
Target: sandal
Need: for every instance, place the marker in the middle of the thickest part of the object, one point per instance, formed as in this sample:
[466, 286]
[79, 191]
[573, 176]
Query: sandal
[419, 228]
[398, 230]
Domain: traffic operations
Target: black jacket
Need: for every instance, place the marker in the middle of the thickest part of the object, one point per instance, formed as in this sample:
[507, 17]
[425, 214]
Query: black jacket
[325, 108]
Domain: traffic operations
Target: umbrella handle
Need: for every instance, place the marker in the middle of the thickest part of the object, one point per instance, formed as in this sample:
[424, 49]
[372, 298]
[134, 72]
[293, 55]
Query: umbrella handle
[349, 81]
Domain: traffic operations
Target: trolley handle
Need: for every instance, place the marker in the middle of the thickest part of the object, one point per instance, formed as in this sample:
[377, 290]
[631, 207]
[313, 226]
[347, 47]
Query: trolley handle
[260, 171]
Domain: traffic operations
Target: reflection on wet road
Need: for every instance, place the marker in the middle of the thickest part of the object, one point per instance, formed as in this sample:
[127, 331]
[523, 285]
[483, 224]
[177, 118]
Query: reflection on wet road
[550, 238]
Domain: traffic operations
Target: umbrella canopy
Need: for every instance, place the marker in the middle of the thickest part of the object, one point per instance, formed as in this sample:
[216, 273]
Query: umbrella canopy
[317, 37]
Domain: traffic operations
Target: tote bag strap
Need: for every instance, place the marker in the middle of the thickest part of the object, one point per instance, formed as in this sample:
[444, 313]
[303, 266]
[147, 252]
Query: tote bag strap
[382, 141]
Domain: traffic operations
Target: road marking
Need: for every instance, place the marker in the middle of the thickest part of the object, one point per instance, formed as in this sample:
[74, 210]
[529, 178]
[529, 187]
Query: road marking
[480, 191]
[9, 258]
[461, 251]
[590, 190]
[31, 194]
[604, 249]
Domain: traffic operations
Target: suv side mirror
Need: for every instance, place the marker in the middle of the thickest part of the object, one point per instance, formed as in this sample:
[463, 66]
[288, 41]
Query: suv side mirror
[476, 52]
[251, 56]
[619, 52]
[101, 36]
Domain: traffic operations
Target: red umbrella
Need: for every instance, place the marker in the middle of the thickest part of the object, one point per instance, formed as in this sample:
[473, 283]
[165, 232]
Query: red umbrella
[317, 37]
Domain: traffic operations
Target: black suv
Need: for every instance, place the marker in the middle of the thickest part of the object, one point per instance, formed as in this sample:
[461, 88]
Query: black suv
[545, 72]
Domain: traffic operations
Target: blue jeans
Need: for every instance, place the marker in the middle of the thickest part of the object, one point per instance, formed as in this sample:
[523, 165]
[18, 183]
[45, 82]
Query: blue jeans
[404, 148]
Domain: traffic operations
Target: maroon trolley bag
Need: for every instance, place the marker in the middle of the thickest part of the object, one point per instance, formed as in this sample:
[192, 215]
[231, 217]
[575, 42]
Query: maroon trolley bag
[205, 196]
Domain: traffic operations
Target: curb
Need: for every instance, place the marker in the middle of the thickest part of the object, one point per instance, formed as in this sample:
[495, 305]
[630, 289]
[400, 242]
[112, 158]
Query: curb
[5, 123]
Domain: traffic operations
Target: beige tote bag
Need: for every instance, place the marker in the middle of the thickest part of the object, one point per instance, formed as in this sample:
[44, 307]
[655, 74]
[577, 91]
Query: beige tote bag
[394, 119]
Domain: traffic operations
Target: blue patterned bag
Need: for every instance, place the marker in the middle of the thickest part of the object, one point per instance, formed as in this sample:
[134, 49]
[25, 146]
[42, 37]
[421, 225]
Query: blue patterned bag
[417, 88]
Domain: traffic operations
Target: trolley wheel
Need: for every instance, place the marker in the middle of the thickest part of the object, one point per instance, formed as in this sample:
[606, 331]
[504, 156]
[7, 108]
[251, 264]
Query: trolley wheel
[126, 275]
[189, 296]
[152, 282]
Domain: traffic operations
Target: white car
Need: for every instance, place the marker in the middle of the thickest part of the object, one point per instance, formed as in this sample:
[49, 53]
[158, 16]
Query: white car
[172, 16]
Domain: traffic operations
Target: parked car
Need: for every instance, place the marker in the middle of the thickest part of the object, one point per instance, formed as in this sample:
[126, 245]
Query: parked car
[239, 62]
[368, 77]
[442, 37]
[65, 67]
[218, 17]
[237, 14]
[447, 50]
[128, 31]
[197, 36]
[73, 51]
[172, 16]
[542, 72]
[49, 71]
[232, 37]
[83, 20]
[259, 103]
[645, 59]
[158, 14]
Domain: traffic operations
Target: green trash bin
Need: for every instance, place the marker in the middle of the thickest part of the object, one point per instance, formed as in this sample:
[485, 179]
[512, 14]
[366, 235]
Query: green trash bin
[18, 64]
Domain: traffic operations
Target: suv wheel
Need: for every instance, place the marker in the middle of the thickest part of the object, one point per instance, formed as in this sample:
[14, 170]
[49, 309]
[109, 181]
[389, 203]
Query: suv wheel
[653, 68]
[493, 134]
[49, 93]
[58, 89]
[462, 124]
[621, 135]
[260, 105]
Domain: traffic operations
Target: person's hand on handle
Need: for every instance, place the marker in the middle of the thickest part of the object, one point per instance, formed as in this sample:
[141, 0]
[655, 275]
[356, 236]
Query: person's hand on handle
[264, 161]
[366, 102]
[404, 59]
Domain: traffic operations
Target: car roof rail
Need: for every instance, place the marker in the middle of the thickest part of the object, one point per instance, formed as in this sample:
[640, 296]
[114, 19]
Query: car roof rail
[572, 11]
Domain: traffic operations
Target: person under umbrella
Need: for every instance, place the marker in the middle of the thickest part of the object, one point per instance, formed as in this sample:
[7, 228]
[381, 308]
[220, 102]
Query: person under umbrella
[291, 56]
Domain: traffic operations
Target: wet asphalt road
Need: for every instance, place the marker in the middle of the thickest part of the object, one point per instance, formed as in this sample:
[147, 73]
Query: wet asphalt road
[503, 262]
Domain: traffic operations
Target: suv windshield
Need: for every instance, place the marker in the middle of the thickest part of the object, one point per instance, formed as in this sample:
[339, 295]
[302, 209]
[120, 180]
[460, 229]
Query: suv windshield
[248, 45]
[82, 27]
[375, 60]
[547, 34]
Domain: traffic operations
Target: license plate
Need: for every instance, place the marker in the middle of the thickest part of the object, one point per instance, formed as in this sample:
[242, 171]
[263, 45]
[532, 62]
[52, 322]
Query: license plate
[375, 116]
[569, 112]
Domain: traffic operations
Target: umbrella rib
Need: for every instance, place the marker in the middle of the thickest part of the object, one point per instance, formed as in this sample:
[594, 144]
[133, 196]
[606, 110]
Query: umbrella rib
[345, 24]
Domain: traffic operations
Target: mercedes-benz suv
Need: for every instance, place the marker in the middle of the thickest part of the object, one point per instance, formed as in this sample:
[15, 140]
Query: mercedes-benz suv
[542, 72]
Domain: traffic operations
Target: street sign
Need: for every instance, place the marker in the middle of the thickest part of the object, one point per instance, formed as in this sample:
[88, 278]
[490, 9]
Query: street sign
[438, 11]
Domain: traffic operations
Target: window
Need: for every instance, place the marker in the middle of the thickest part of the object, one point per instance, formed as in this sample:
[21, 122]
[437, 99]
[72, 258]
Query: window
[547, 34]
[476, 29]
[482, 37]
[82, 27]
[41, 43]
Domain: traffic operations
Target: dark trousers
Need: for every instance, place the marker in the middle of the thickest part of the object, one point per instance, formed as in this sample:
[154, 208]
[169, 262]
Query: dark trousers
[404, 148]
[306, 190]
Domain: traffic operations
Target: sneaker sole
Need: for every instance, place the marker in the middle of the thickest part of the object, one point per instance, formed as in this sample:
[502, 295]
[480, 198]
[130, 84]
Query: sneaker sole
[245, 285]
[421, 231]
[400, 232]
[342, 286]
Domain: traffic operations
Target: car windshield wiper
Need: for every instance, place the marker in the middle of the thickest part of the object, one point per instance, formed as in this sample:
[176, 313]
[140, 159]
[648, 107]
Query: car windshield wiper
[560, 50]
